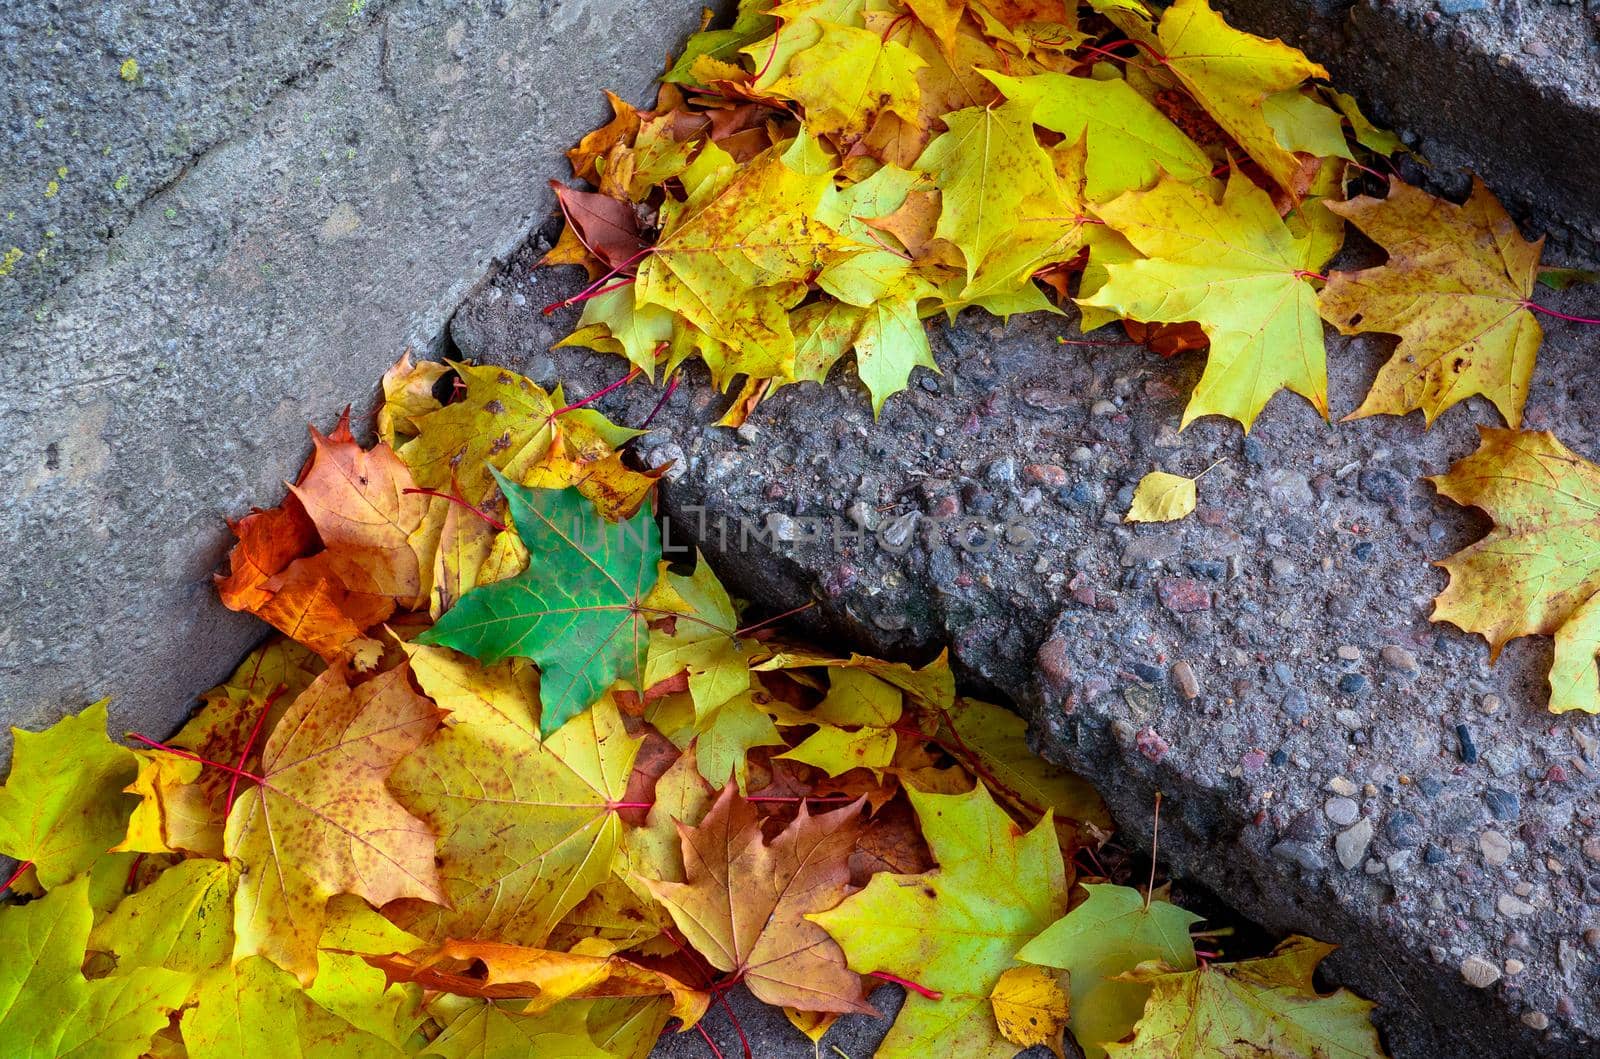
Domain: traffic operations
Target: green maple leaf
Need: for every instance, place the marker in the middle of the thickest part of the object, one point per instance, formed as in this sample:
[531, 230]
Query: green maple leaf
[955, 929]
[63, 806]
[1111, 933]
[46, 1005]
[575, 610]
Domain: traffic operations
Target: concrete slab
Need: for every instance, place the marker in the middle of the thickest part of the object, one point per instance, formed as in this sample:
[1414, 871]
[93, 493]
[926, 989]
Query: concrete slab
[345, 179]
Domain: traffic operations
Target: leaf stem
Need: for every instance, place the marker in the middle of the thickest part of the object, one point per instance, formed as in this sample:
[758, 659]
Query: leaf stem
[748, 629]
[1155, 836]
[490, 519]
[1536, 307]
[593, 290]
[22, 869]
[777, 35]
[633, 373]
[920, 990]
[744, 1042]
[709, 1042]
[688, 617]
[255, 730]
[672, 385]
[1107, 53]
[154, 745]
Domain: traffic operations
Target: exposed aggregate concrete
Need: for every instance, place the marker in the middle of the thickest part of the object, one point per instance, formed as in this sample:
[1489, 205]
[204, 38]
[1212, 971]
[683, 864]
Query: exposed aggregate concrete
[1331, 762]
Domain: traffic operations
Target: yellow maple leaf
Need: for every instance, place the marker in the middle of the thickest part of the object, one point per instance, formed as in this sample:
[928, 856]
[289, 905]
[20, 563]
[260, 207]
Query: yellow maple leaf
[849, 77]
[1271, 1003]
[1455, 289]
[1232, 74]
[321, 822]
[1538, 571]
[1235, 268]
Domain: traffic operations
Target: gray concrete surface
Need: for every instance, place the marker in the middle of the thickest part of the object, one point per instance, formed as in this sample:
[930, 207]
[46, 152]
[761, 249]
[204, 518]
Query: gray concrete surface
[1298, 595]
[314, 187]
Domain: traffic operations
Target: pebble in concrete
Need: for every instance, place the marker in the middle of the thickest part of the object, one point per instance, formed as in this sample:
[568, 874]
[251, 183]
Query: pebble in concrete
[1342, 811]
[1479, 972]
[1351, 845]
[1495, 847]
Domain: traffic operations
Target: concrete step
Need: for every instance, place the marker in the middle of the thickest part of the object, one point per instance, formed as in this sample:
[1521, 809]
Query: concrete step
[1310, 539]
[1509, 89]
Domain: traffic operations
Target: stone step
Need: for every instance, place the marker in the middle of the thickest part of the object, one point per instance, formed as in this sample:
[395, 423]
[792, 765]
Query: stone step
[1318, 780]
[1509, 89]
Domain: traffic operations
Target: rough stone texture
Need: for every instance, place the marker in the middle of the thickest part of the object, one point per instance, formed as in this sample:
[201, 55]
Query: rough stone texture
[1509, 89]
[1309, 538]
[306, 199]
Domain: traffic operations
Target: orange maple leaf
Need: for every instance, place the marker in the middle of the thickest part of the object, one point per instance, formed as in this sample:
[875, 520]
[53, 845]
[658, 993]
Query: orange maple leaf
[746, 900]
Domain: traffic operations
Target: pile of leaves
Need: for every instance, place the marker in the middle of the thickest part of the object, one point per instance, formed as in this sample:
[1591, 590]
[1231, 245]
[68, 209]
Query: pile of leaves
[823, 175]
[508, 784]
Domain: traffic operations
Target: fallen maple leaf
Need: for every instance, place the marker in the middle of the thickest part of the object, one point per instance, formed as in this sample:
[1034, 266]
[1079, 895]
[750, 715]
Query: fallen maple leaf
[407, 397]
[318, 821]
[847, 78]
[63, 805]
[1030, 1008]
[1112, 932]
[734, 257]
[577, 608]
[253, 1008]
[1130, 143]
[374, 529]
[186, 805]
[1270, 1006]
[1456, 289]
[182, 921]
[526, 828]
[1233, 75]
[699, 635]
[1003, 204]
[607, 228]
[954, 930]
[539, 976]
[991, 742]
[1538, 570]
[502, 422]
[47, 1008]
[1236, 269]
[746, 902]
